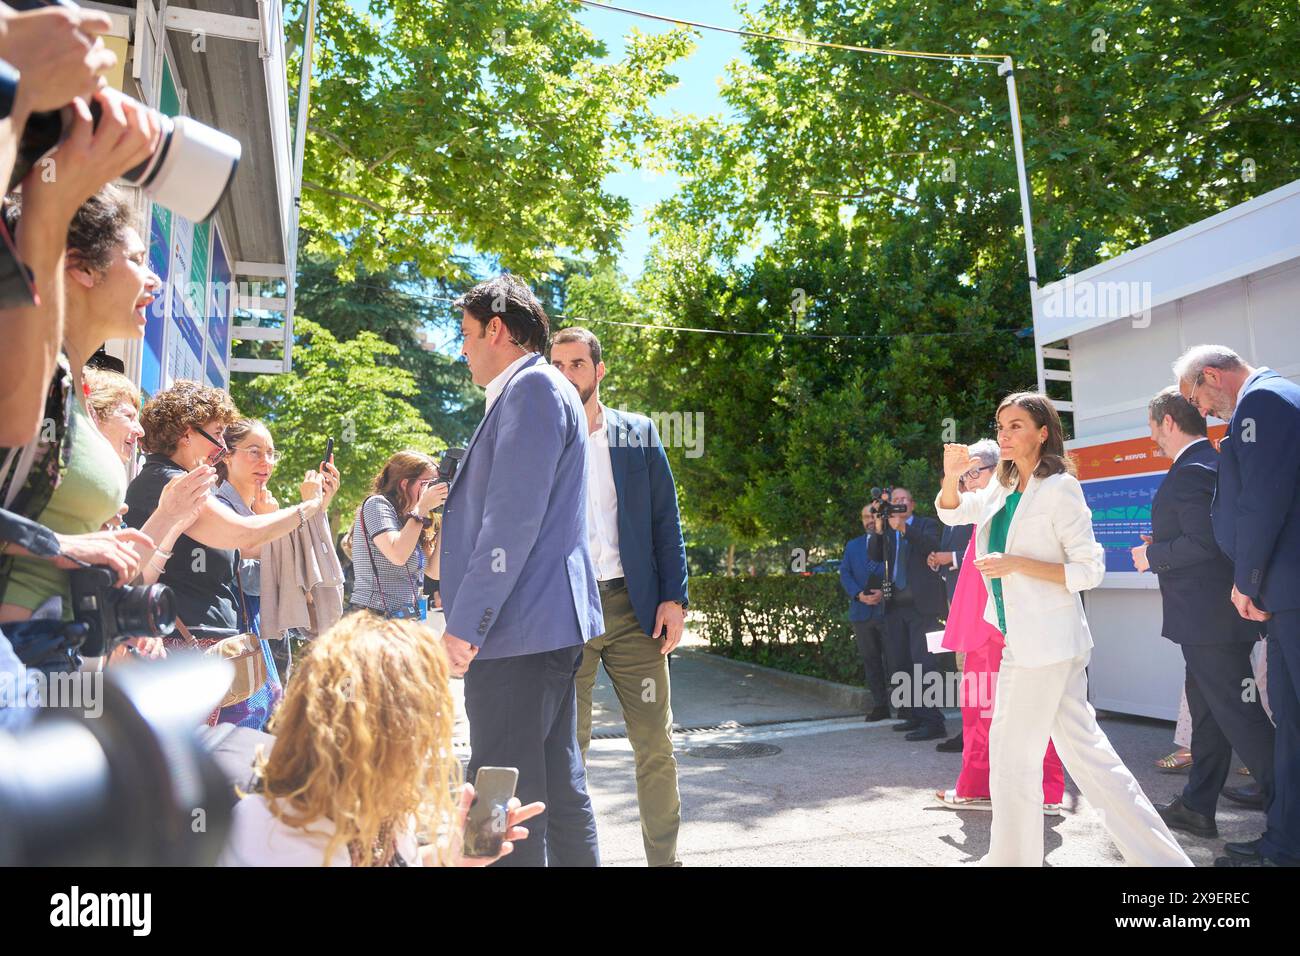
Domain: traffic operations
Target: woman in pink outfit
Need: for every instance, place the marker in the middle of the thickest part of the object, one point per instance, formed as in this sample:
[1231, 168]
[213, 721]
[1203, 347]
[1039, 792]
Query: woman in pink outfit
[967, 632]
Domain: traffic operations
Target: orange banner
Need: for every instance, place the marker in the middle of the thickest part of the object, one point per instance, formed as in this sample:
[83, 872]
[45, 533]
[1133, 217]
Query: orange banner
[1133, 456]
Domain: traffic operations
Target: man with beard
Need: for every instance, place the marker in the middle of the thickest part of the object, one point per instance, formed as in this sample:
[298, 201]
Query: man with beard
[636, 544]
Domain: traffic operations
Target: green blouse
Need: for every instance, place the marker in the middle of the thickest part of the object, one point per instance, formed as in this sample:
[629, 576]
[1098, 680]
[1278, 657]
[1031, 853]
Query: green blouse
[998, 528]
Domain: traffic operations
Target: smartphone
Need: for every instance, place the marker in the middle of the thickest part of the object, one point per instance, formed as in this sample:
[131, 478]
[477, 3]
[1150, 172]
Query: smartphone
[329, 450]
[485, 828]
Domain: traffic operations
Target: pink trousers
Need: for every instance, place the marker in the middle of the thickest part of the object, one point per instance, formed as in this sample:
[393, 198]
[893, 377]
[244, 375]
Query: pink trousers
[979, 680]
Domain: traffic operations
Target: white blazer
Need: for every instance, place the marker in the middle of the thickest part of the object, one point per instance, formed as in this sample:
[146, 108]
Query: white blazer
[1045, 620]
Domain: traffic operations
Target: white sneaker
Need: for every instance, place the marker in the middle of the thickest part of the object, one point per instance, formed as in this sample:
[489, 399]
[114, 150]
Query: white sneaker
[950, 800]
[1051, 809]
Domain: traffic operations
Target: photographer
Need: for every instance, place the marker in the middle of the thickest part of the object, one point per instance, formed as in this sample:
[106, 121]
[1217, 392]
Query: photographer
[71, 478]
[53, 191]
[915, 599]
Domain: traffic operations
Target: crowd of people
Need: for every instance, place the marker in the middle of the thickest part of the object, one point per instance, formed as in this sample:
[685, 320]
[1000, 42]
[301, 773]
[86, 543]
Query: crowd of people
[173, 494]
[556, 548]
[1225, 544]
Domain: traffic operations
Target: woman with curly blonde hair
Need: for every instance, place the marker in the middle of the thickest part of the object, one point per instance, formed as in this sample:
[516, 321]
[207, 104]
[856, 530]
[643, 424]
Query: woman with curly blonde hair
[363, 758]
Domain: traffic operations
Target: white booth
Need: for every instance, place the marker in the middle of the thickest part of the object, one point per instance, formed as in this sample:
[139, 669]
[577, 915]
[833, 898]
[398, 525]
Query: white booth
[1114, 330]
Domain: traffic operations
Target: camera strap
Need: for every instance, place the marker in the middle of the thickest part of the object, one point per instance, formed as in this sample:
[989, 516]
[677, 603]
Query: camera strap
[379, 585]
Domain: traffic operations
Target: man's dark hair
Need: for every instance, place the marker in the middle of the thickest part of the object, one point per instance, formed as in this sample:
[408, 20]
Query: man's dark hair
[1169, 401]
[576, 333]
[509, 297]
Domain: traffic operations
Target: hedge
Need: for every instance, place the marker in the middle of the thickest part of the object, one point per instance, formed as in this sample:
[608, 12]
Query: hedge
[794, 622]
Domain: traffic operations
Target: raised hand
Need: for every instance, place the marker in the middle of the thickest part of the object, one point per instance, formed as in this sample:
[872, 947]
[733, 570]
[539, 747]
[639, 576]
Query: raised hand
[956, 460]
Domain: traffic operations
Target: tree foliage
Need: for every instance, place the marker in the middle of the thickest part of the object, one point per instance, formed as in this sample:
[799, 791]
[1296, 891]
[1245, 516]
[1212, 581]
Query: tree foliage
[441, 123]
[882, 196]
[410, 313]
[339, 388]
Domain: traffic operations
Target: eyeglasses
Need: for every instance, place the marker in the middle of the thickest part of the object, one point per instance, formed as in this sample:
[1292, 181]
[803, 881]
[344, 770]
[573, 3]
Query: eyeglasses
[270, 455]
[222, 452]
[975, 472]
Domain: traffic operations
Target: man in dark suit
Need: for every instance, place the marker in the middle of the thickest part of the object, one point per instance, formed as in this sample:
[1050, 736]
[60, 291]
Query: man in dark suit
[1256, 516]
[860, 579]
[1196, 592]
[635, 535]
[919, 600]
[517, 582]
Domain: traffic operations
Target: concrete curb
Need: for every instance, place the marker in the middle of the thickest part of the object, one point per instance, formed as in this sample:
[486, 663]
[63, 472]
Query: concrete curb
[855, 699]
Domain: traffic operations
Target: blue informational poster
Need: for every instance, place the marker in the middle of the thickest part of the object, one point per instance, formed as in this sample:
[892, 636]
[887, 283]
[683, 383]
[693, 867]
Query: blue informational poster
[1121, 514]
[219, 292]
[160, 257]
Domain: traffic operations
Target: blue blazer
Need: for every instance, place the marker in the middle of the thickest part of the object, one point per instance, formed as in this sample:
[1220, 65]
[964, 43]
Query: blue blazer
[856, 572]
[516, 574]
[1195, 576]
[1256, 509]
[650, 543]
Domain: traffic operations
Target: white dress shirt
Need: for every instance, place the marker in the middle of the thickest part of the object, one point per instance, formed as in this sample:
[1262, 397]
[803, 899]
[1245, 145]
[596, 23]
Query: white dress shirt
[1194, 441]
[498, 384]
[602, 505]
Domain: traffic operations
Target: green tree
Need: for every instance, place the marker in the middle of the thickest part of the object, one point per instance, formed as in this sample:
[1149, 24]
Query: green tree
[339, 388]
[414, 315]
[883, 195]
[440, 123]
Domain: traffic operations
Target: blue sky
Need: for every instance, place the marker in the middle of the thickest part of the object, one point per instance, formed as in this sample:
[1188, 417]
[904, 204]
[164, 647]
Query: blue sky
[696, 92]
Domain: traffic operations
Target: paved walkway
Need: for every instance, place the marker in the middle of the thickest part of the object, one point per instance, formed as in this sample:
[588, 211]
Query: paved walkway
[839, 792]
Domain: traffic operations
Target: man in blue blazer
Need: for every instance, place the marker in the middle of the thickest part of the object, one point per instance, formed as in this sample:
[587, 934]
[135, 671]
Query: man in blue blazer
[518, 586]
[860, 579]
[635, 533]
[1256, 516]
[1216, 641]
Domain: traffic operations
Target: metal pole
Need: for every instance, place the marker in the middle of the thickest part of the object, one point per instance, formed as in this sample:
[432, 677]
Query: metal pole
[299, 149]
[1007, 69]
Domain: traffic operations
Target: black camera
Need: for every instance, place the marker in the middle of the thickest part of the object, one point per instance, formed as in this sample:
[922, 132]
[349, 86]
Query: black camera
[882, 506]
[189, 171]
[110, 614]
[124, 783]
[451, 460]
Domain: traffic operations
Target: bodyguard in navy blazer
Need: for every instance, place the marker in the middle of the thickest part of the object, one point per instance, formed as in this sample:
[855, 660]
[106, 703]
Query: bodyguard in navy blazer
[518, 585]
[650, 539]
[635, 534]
[860, 579]
[1216, 641]
[1256, 517]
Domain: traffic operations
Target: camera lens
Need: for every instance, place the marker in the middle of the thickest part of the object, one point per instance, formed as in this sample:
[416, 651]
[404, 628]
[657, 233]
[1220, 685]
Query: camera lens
[146, 611]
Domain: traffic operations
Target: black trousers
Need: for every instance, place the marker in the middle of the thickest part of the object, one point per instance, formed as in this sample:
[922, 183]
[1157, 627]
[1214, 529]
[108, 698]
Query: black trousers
[905, 651]
[1281, 842]
[870, 638]
[523, 713]
[1224, 718]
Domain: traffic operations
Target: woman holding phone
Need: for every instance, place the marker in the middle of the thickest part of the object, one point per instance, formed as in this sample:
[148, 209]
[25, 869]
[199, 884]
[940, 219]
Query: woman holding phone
[363, 762]
[1036, 549]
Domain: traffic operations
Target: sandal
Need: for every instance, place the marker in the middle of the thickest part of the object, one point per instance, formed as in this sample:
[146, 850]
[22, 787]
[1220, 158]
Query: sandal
[950, 799]
[1178, 760]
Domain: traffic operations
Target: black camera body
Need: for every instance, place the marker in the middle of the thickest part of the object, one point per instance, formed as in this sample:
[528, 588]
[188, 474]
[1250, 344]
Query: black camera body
[111, 614]
[882, 506]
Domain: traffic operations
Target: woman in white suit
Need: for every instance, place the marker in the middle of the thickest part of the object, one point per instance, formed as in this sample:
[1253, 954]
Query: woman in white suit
[1036, 549]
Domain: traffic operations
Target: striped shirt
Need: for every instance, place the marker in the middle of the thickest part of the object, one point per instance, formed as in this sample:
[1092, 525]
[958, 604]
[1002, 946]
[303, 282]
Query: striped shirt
[381, 585]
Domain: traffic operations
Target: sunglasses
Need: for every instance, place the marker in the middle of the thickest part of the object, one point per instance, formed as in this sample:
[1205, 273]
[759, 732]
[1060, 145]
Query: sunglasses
[222, 452]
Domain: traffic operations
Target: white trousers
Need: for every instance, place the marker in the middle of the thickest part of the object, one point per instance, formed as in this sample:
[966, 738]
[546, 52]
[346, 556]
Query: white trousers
[1033, 704]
